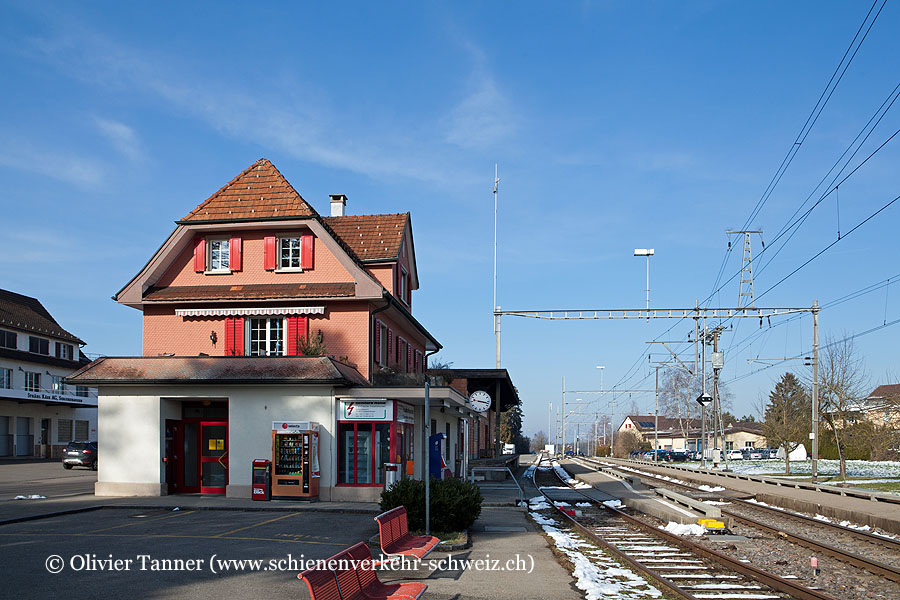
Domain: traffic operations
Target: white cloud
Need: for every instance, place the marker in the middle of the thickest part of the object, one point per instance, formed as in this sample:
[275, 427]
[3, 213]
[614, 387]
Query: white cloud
[121, 136]
[69, 168]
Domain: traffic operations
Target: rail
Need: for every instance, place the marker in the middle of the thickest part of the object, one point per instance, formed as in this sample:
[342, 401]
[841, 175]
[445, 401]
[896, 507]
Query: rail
[487, 485]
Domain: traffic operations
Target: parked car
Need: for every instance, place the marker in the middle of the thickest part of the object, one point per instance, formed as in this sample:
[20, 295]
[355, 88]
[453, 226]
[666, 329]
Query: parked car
[772, 453]
[80, 454]
[735, 455]
[756, 454]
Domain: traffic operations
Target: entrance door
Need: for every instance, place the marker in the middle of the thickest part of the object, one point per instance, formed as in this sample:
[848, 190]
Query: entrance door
[24, 439]
[213, 457]
[173, 457]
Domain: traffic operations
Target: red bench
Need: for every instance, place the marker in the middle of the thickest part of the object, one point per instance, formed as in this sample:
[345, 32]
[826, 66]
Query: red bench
[393, 529]
[350, 575]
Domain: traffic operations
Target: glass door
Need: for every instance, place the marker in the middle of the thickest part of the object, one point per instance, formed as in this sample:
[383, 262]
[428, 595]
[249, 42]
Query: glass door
[213, 457]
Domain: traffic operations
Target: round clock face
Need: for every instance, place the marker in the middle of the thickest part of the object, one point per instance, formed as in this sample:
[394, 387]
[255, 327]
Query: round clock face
[480, 401]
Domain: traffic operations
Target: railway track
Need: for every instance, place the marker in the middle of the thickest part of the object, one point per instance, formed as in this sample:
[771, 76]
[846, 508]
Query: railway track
[876, 554]
[677, 566]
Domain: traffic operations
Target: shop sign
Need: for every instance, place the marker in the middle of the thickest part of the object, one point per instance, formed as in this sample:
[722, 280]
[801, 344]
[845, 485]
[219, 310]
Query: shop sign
[405, 413]
[367, 410]
[294, 426]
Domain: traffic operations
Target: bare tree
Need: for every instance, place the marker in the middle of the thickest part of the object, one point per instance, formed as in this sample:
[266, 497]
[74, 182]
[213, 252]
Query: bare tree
[785, 416]
[843, 384]
[627, 442]
[678, 391]
[538, 441]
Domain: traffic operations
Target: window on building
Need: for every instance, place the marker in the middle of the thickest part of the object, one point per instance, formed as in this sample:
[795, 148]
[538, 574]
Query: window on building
[402, 349]
[38, 345]
[32, 381]
[66, 351]
[6, 379]
[289, 249]
[81, 391]
[364, 448]
[383, 343]
[64, 430]
[7, 339]
[81, 430]
[748, 444]
[404, 285]
[219, 255]
[57, 385]
[266, 337]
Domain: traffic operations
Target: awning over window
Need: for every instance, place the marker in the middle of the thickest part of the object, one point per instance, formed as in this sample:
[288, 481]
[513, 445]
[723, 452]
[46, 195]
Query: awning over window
[239, 312]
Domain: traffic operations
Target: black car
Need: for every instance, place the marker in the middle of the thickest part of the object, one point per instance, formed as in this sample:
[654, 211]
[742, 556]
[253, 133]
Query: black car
[80, 454]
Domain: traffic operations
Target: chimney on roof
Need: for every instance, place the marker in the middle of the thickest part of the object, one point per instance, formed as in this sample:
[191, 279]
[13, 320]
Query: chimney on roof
[338, 203]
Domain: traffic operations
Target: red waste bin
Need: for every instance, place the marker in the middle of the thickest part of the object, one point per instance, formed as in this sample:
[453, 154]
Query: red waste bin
[261, 488]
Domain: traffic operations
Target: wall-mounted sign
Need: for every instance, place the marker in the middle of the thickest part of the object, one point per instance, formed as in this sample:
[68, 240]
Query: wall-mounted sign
[405, 413]
[480, 401]
[294, 426]
[367, 410]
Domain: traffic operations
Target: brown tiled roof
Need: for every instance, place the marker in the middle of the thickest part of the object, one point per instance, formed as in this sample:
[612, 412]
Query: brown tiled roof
[28, 314]
[886, 391]
[219, 369]
[371, 237]
[258, 192]
[665, 423]
[256, 291]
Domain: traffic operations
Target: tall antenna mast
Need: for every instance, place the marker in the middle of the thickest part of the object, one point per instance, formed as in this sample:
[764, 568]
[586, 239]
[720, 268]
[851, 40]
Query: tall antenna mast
[495, 307]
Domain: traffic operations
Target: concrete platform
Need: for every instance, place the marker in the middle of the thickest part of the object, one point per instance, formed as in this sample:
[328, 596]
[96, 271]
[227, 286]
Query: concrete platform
[606, 487]
[865, 512]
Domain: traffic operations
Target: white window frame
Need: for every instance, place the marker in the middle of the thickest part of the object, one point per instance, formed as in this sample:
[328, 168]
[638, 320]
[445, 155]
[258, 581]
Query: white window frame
[6, 378]
[209, 255]
[269, 339]
[57, 385]
[40, 342]
[404, 286]
[65, 351]
[288, 237]
[32, 381]
[13, 336]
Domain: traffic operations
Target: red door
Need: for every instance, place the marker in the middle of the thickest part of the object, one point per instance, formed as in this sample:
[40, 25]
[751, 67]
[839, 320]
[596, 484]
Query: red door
[213, 457]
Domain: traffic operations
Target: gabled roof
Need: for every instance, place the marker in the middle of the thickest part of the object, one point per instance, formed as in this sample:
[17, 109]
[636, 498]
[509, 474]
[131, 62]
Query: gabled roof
[646, 422]
[28, 314]
[259, 192]
[371, 237]
[890, 391]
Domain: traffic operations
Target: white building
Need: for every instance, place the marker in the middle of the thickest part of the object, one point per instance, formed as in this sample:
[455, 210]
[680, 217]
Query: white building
[39, 413]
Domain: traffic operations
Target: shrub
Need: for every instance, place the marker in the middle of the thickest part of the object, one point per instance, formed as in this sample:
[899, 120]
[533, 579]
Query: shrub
[455, 503]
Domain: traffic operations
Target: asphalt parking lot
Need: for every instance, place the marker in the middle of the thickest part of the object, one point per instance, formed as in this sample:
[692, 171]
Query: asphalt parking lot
[163, 553]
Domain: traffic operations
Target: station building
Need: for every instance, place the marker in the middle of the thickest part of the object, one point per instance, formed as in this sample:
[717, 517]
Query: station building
[261, 317]
[39, 412]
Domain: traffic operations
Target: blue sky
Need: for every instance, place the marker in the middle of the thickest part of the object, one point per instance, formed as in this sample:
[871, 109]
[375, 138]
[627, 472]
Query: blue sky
[617, 125]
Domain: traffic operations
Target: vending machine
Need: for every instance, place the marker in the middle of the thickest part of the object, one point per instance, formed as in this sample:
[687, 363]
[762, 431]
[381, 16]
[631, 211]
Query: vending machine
[295, 460]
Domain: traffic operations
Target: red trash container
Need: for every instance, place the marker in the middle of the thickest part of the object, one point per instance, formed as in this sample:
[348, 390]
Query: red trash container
[261, 488]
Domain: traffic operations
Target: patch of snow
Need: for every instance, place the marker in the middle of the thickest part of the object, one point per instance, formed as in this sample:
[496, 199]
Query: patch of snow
[716, 503]
[561, 503]
[30, 497]
[707, 488]
[612, 503]
[583, 504]
[687, 529]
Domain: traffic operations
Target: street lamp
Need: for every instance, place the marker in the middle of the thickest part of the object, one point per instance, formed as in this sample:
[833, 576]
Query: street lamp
[648, 252]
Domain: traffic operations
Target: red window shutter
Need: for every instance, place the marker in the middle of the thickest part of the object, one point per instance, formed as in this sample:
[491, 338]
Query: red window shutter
[234, 336]
[269, 253]
[235, 248]
[377, 354]
[390, 347]
[408, 358]
[199, 254]
[291, 337]
[306, 252]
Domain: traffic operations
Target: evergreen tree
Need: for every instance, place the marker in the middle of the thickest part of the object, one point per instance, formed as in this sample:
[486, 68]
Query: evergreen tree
[787, 416]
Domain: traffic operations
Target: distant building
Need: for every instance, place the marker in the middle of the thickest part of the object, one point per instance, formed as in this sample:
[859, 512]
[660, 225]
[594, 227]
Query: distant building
[39, 412]
[881, 408]
[685, 434]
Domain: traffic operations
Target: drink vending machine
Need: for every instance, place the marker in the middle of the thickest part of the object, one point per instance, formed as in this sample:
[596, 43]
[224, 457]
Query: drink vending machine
[295, 459]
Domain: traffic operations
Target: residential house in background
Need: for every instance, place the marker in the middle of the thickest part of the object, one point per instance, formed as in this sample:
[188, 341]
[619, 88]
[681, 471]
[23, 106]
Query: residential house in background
[684, 434]
[39, 412]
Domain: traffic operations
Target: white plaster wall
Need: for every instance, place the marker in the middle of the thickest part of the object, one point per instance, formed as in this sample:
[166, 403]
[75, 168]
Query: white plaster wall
[128, 436]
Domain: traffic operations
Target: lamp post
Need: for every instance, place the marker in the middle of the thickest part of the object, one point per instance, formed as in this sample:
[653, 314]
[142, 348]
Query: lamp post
[648, 252]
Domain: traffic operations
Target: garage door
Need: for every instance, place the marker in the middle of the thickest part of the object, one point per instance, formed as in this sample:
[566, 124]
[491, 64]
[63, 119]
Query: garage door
[5, 438]
[24, 441]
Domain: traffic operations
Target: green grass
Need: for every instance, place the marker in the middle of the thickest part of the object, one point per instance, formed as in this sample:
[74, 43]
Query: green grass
[447, 537]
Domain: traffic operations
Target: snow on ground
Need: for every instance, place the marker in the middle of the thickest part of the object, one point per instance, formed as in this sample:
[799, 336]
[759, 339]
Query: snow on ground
[687, 529]
[824, 518]
[825, 467]
[612, 503]
[597, 576]
[716, 503]
[583, 504]
[707, 488]
[30, 497]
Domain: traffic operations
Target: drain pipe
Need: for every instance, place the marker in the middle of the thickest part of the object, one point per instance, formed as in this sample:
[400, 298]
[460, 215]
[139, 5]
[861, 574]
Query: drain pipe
[426, 433]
